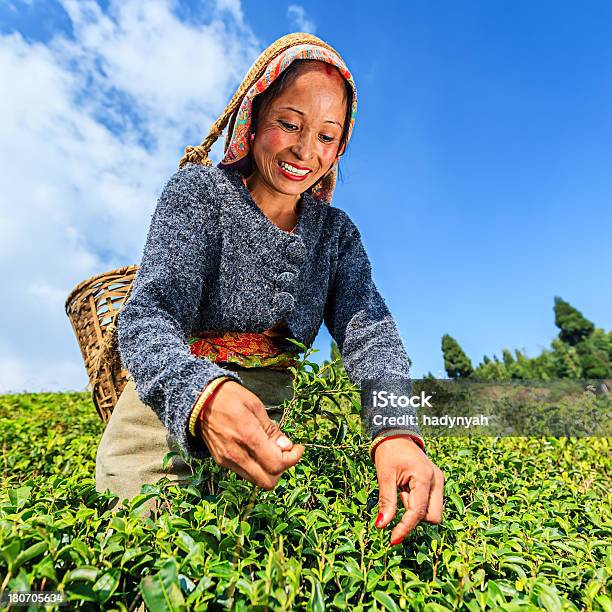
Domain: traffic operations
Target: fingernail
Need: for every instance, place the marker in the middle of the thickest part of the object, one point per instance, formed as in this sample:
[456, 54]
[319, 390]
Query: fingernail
[283, 442]
[379, 519]
[396, 541]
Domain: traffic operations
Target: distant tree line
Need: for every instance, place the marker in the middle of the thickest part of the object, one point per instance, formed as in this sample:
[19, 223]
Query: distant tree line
[581, 350]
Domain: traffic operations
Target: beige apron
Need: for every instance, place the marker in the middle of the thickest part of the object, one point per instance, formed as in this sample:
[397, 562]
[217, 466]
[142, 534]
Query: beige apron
[135, 441]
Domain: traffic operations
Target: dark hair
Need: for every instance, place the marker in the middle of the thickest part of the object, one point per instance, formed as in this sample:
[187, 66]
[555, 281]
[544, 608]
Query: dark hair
[284, 80]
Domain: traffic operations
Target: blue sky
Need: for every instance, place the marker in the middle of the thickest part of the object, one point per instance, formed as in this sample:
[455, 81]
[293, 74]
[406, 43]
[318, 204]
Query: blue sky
[478, 172]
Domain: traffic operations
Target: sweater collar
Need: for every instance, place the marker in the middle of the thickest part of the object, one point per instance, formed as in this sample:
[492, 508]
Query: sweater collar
[243, 197]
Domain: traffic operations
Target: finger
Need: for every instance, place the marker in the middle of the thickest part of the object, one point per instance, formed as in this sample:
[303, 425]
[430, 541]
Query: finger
[273, 431]
[436, 498]
[258, 482]
[266, 451]
[246, 467]
[249, 469]
[415, 503]
[261, 448]
[291, 457]
[387, 497]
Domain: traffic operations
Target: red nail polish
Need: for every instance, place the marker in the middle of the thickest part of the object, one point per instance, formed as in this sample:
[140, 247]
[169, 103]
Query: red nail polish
[379, 519]
[397, 541]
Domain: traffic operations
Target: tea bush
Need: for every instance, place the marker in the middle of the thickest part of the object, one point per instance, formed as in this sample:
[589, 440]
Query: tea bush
[526, 525]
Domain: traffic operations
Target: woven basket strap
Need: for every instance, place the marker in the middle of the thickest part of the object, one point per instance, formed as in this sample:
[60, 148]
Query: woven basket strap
[199, 154]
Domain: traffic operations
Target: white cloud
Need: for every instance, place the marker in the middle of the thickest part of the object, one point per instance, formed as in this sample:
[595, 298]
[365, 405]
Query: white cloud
[17, 376]
[297, 16]
[92, 127]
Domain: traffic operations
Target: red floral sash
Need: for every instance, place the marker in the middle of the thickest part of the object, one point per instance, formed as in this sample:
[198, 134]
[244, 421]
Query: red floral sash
[249, 350]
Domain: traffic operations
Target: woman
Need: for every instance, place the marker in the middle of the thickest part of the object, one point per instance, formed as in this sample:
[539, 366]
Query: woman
[239, 258]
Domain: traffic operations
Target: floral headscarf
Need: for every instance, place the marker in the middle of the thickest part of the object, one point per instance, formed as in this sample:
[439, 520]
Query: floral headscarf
[237, 141]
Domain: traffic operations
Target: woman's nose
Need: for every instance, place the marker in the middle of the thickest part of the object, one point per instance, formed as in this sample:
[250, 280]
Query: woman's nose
[304, 147]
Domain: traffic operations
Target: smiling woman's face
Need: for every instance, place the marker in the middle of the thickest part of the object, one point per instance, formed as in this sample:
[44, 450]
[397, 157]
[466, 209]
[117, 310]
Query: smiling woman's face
[298, 133]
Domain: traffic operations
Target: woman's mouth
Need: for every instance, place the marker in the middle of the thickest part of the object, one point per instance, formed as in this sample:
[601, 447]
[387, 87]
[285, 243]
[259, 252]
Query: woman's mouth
[292, 172]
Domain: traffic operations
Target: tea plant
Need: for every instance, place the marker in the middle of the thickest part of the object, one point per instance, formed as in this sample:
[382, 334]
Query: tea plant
[526, 525]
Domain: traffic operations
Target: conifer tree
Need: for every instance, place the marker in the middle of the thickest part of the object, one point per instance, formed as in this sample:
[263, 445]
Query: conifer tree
[456, 363]
[573, 325]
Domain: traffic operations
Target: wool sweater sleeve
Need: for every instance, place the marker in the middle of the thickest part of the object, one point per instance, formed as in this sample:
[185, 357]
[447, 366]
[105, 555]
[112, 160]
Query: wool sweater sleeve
[155, 322]
[360, 322]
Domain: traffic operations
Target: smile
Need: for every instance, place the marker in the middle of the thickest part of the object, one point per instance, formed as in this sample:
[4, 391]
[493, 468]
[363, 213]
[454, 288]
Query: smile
[292, 170]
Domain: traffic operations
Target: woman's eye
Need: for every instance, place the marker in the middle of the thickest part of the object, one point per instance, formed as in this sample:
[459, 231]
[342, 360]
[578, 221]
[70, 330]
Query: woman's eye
[287, 125]
[290, 126]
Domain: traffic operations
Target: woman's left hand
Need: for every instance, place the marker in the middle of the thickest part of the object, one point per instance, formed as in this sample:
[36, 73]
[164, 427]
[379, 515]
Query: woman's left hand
[400, 462]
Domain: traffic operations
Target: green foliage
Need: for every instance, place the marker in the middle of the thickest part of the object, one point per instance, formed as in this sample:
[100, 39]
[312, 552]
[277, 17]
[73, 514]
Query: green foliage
[507, 357]
[456, 363]
[335, 352]
[565, 361]
[335, 360]
[494, 370]
[580, 352]
[527, 522]
[594, 354]
[573, 326]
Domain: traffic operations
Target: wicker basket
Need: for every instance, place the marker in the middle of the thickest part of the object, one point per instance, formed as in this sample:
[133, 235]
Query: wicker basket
[92, 308]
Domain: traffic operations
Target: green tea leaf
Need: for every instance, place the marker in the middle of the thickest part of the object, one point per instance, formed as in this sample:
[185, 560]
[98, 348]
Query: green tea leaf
[106, 585]
[316, 602]
[384, 599]
[162, 592]
[86, 573]
[29, 553]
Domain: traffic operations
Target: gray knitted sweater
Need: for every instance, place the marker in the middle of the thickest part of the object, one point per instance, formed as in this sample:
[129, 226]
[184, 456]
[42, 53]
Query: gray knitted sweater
[214, 261]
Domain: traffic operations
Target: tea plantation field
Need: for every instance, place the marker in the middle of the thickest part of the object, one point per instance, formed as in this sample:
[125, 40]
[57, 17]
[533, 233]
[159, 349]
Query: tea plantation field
[526, 525]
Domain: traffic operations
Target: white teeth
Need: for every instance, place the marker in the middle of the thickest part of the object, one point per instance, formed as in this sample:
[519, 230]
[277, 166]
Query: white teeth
[292, 169]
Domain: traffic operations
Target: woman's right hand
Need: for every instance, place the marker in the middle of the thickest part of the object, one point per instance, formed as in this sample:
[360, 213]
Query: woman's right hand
[240, 436]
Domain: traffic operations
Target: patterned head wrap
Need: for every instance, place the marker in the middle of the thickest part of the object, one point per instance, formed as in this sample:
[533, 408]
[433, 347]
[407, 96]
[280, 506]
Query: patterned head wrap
[266, 69]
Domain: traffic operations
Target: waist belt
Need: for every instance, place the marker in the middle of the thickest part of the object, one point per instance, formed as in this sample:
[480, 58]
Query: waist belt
[249, 350]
